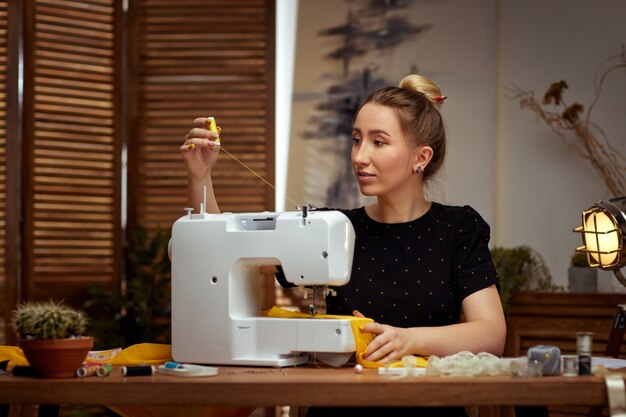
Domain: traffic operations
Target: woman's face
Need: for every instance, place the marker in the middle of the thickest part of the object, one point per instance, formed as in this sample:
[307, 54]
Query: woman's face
[381, 156]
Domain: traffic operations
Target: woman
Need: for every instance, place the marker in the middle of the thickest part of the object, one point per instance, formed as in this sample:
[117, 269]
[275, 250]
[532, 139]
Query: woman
[417, 264]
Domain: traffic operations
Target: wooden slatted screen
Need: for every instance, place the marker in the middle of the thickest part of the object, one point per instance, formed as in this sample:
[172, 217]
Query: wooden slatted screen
[200, 58]
[71, 146]
[3, 142]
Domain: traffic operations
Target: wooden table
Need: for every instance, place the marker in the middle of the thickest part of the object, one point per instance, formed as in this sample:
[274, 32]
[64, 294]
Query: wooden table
[304, 386]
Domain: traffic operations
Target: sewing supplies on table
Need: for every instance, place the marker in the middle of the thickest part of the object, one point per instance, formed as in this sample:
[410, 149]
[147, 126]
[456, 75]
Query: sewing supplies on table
[187, 370]
[401, 372]
[21, 370]
[408, 368]
[104, 370]
[140, 370]
[91, 369]
[584, 343]
[548, 356]
[103, 355]
[468, 364]
[87, 370]
[569, 365]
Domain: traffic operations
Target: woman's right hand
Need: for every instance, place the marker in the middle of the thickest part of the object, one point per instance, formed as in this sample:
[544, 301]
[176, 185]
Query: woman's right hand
[200, 151]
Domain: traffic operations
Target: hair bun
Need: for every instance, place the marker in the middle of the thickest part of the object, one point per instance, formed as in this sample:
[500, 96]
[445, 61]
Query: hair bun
[424, 86]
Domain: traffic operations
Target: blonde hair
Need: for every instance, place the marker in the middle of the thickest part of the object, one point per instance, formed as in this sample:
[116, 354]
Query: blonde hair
[424, 85]
[416, 103]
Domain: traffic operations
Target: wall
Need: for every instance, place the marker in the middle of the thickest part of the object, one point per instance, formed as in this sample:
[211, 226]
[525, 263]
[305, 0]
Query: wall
[464, 66]
[502, 161]
[542, 185]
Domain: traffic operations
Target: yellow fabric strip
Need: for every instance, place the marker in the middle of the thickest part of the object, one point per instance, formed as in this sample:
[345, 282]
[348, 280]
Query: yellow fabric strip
[155, 353]
[361, 338]
[14, 355]
[140, 354]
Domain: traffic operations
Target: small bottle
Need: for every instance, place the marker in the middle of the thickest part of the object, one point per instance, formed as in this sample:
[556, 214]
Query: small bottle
[584, 343]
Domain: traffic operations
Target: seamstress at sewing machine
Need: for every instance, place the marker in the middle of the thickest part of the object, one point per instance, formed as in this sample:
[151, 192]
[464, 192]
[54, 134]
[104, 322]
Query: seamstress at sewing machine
[417, 264]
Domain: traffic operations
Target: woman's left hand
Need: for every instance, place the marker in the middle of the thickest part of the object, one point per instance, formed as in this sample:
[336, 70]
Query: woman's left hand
[389, 344]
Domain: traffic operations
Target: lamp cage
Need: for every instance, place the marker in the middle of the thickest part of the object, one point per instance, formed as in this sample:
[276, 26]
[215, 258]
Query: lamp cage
[603, 233]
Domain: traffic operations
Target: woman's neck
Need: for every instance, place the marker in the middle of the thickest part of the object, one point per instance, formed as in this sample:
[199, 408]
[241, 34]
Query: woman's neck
[390, 211]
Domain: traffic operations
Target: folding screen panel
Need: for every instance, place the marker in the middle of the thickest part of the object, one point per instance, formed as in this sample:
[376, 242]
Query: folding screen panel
[193, 58]
[82, 104]
[4, 15]
[71, 146]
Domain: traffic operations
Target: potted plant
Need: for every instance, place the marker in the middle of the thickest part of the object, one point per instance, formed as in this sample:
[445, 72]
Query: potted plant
[581, 277]
[520, 268]
[51, 334]
[146, 300]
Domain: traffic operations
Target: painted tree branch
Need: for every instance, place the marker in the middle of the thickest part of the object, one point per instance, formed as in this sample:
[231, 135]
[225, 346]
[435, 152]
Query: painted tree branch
[576, 129]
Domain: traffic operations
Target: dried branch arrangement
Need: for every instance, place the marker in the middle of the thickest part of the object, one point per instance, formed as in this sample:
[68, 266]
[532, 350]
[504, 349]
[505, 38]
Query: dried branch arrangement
[575, 128]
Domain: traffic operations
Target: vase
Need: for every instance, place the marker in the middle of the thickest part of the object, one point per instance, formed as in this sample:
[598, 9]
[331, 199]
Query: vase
[56, 358]
[582, 279]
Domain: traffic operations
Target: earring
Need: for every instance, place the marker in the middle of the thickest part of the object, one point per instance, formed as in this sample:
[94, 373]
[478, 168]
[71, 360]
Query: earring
[419, 169]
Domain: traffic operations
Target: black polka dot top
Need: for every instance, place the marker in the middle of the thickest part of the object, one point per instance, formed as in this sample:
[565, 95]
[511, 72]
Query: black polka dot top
[416, 273]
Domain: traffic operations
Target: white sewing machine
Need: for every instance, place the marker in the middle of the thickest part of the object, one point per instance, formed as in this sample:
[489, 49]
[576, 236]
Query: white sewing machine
[217, 286]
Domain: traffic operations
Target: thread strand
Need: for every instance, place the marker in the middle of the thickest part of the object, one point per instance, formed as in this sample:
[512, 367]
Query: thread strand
[258, 175]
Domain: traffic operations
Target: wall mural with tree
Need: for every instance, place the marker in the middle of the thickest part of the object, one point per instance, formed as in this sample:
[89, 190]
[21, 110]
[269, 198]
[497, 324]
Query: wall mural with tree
[372, 28]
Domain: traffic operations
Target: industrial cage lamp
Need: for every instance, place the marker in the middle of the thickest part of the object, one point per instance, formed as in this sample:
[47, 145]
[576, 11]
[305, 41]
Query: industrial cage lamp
[603, 232]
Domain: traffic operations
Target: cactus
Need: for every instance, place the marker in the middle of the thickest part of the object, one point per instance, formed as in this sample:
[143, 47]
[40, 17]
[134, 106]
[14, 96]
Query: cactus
[48, 320]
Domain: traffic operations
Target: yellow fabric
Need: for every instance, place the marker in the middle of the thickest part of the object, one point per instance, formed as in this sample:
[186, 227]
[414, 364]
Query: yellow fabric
[14, 355]
[143, 353]
[361, 338]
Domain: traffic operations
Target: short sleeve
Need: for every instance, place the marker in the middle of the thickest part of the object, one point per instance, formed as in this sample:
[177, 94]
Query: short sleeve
[473, 268]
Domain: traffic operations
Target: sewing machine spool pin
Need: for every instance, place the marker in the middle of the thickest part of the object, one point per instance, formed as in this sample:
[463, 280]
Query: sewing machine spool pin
[305, 213]
[203, 204]
[304, 210]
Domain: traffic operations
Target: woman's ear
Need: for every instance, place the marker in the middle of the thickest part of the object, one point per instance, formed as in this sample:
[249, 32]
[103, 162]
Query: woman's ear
[423, 155]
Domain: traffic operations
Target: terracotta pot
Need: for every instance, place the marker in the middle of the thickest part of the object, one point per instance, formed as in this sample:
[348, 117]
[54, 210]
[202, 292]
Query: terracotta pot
[56, 358]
